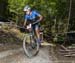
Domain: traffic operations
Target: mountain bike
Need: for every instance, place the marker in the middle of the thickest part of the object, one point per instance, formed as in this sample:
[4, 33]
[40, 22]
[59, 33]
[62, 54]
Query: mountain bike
[30, 43]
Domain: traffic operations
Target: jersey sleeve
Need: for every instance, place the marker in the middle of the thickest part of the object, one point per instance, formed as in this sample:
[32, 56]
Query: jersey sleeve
[36, 13]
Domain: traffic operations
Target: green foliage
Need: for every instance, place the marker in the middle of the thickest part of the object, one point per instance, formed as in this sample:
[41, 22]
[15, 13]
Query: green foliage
[55, 12]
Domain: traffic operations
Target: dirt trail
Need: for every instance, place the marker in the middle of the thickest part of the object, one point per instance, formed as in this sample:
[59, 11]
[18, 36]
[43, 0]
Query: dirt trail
[13, 52]
[18, 56]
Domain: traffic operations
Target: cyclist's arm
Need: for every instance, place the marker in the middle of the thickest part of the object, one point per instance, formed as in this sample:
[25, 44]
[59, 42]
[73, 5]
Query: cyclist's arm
[25, 22]
[40, 18]
[39, 15]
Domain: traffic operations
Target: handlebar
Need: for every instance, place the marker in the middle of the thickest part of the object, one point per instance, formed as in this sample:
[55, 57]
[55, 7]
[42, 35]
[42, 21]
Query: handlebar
[30, 23]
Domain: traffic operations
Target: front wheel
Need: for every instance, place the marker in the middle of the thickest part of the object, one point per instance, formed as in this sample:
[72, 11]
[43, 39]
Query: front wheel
[30, 46]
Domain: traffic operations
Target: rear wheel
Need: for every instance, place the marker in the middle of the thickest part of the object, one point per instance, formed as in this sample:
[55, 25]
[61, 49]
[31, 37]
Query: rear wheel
[30, 46]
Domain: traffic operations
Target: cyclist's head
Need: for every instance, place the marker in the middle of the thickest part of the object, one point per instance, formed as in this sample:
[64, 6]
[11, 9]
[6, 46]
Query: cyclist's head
[27, 8]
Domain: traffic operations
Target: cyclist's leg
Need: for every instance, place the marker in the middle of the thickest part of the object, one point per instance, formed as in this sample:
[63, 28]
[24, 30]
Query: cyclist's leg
[37, 32]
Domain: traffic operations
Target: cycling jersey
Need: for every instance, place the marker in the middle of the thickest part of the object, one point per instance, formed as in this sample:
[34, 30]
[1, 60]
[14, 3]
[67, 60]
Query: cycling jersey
[32, 16]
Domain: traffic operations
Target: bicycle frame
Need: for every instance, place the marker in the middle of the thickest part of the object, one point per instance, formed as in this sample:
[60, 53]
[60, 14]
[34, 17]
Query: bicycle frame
[30, 31]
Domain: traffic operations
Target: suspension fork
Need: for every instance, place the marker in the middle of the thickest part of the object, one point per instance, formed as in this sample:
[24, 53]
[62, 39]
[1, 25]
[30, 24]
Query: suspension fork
[31, 35]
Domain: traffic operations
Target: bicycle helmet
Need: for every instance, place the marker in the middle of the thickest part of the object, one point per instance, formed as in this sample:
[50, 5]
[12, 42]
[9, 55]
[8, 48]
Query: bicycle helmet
[26, 8]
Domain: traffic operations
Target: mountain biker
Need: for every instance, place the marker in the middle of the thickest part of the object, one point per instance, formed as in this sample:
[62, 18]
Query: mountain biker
[33, 17]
